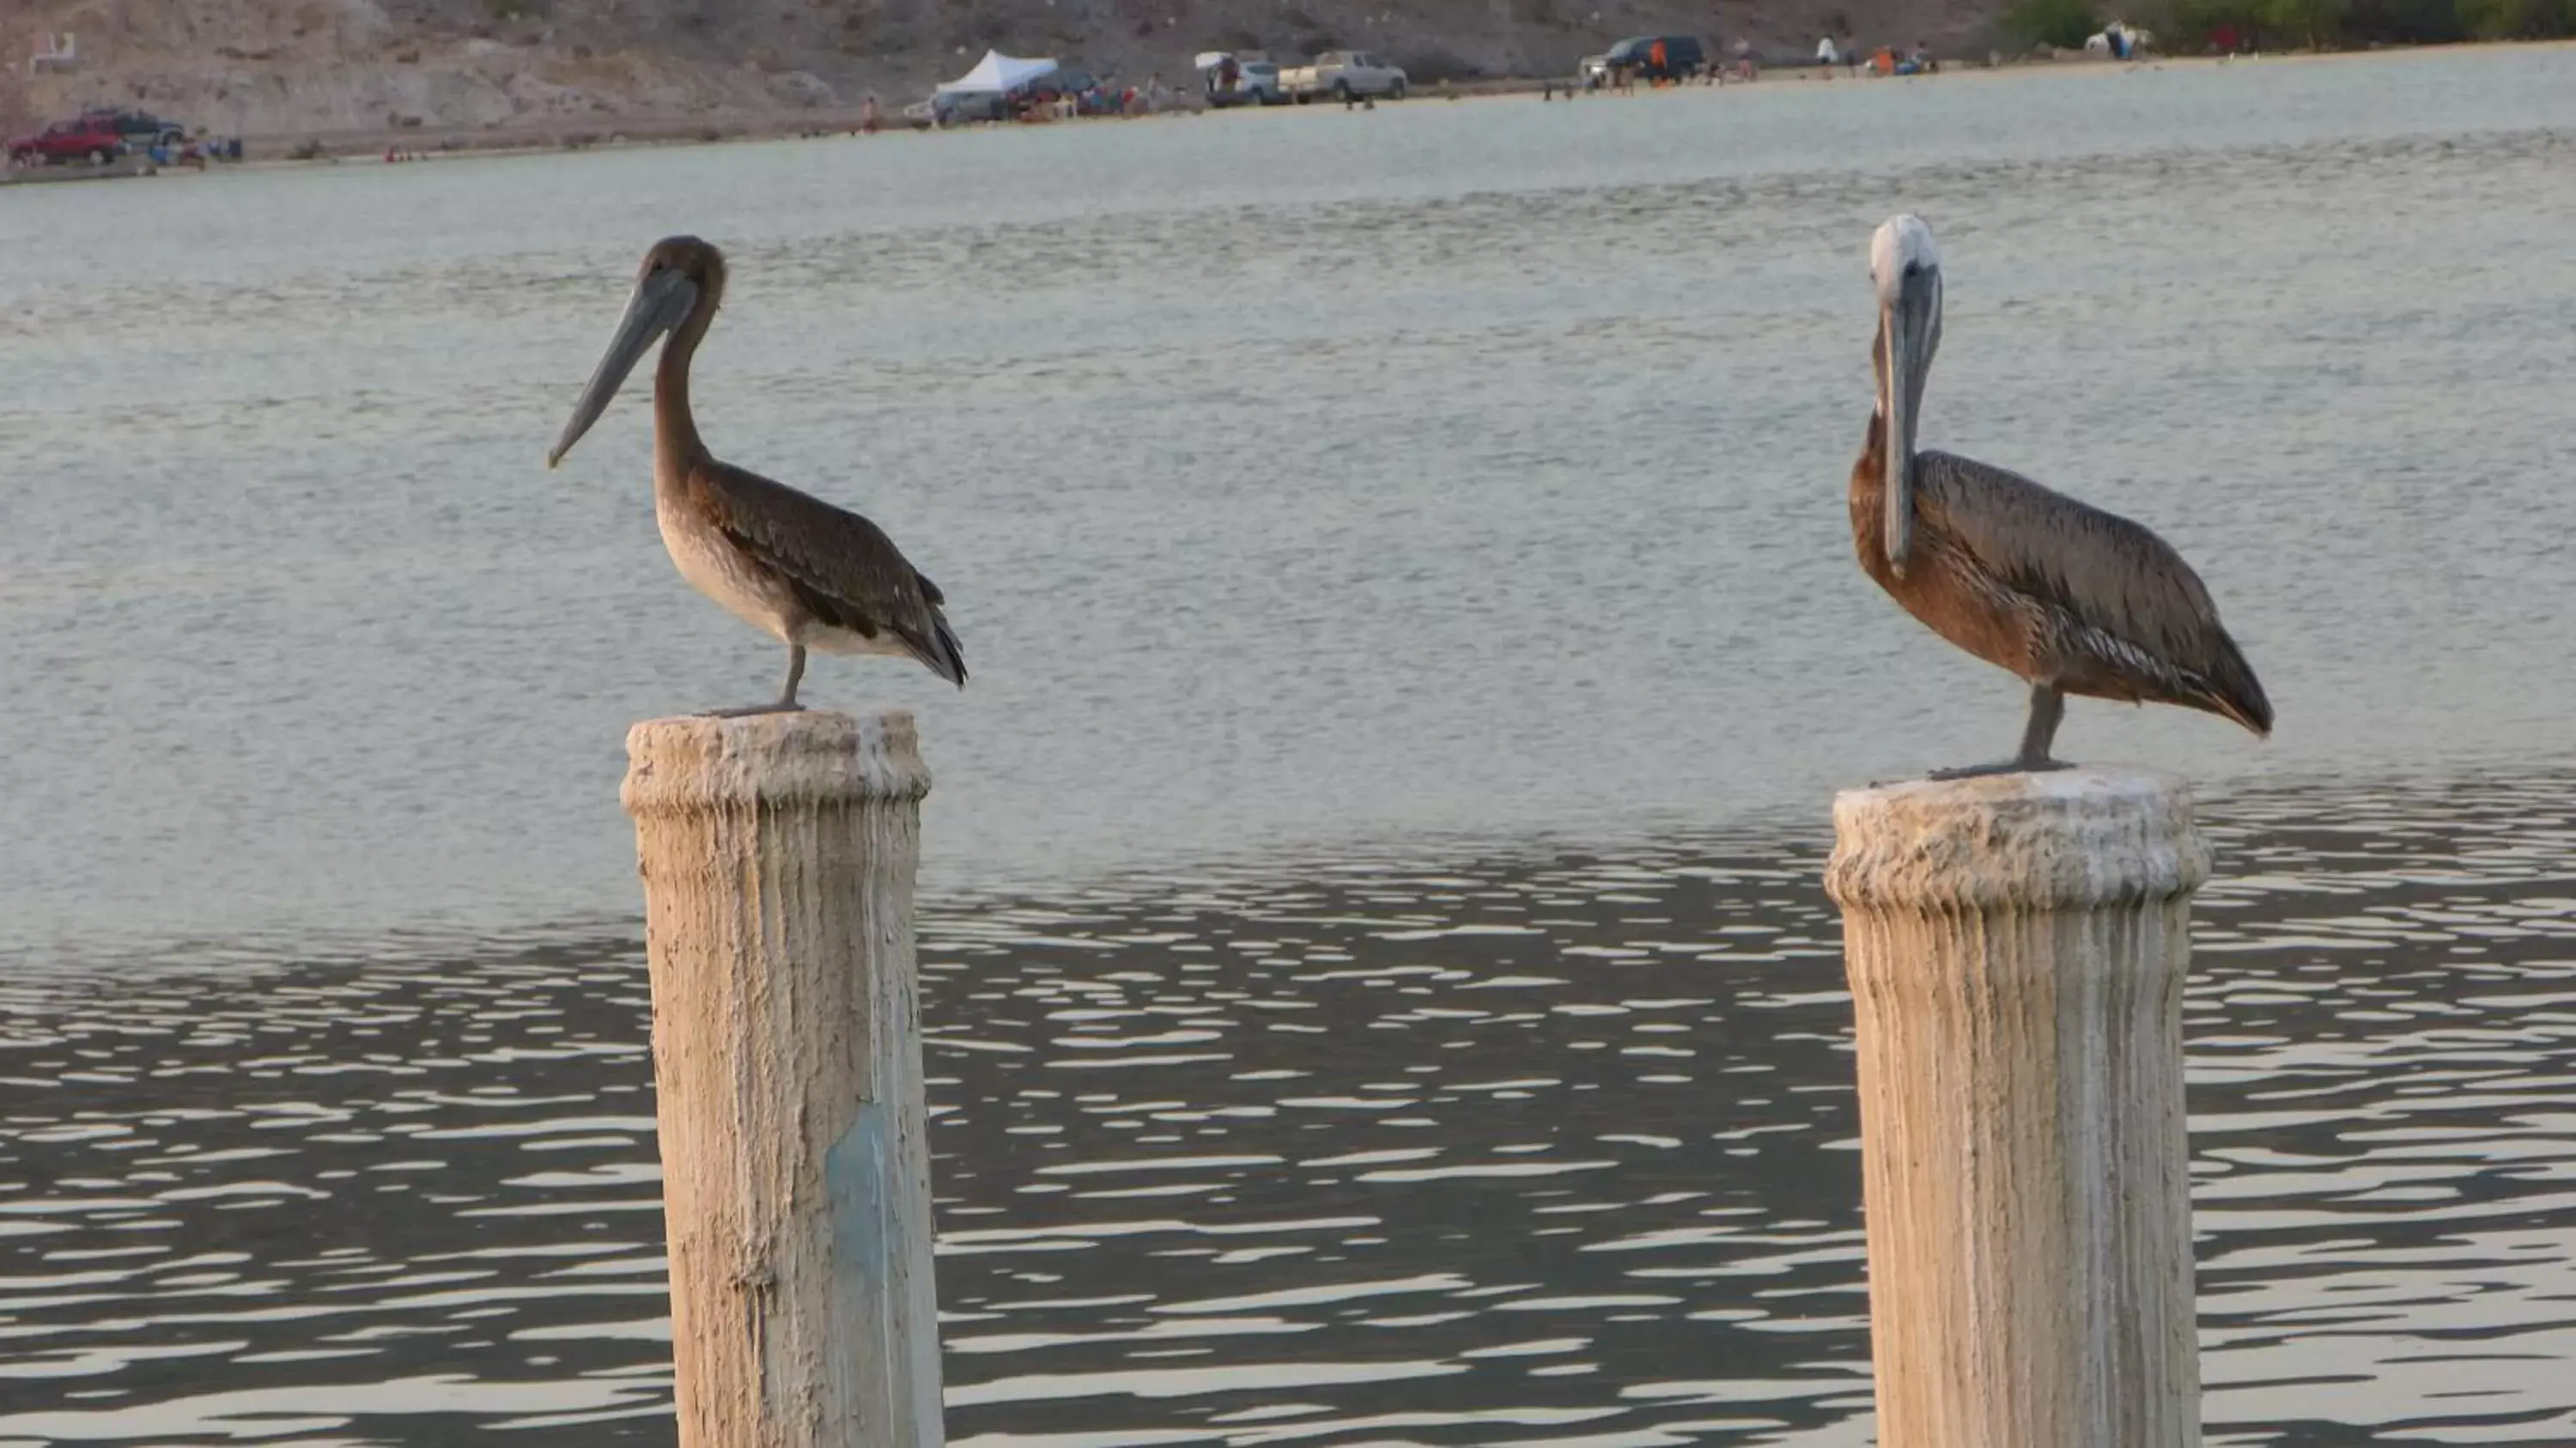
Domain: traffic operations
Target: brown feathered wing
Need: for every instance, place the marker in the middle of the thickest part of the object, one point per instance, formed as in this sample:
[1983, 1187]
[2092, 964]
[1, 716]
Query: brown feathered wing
[843, 568]
[2115, 589]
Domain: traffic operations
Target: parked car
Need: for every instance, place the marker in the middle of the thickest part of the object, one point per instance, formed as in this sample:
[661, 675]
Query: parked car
[82, 140]
[139, 128]
[956, 108]
[1261, 81]
[1254, 83]
[1344, 75]
[1683, 56]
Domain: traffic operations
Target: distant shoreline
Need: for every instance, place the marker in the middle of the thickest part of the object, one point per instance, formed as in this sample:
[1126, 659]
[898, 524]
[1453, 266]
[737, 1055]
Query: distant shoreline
[432, 142]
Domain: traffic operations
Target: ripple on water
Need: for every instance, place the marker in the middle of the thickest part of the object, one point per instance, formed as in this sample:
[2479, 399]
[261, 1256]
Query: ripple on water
[1528, 1147]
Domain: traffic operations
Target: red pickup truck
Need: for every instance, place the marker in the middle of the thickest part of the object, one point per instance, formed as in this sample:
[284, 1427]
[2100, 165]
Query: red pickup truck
[88, 139]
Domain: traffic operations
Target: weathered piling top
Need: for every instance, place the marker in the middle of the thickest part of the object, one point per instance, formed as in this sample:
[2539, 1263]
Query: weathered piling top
[2064, 838]
[806, 756]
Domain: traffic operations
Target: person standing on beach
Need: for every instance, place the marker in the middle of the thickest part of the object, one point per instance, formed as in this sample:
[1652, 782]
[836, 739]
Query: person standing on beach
[1827, 57]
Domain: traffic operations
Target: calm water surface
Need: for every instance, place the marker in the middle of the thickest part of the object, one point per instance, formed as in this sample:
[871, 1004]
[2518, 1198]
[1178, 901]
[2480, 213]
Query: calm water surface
[1301, 479]
[1381, 985]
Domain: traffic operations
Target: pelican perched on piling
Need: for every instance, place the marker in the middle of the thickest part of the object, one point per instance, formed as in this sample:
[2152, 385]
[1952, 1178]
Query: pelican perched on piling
[795, 567]
[2072, 599]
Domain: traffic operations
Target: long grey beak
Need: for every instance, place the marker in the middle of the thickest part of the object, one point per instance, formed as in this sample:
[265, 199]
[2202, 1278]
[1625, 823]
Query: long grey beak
[1912, 326]
[1898, 403]
[662, 301]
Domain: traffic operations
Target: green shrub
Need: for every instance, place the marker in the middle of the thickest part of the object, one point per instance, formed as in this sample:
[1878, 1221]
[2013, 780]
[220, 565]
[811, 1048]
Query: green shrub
[2315, 22]
[2515, 19]
[2062, 23]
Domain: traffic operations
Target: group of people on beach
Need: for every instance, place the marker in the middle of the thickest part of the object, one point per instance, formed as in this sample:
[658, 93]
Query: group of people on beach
[1885, 61]
[1831, 54]
[1096, 99]
[1658, 72]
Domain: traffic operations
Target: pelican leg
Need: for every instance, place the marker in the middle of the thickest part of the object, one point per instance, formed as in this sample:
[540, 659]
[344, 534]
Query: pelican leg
[786, 703]
[2047, 707]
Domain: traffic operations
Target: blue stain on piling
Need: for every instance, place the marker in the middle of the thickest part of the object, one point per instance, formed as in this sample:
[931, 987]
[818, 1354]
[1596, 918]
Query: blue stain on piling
[854, 1177]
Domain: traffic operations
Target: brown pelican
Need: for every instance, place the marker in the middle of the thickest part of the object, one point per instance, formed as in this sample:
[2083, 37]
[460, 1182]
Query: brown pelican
[795, 567]
[2071, 598]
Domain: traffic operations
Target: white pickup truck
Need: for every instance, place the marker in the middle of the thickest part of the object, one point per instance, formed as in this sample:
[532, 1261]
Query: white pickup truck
[1343, 75]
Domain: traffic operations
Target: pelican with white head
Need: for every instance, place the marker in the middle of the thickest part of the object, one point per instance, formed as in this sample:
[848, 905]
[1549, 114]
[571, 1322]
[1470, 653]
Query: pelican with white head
[2073, 599]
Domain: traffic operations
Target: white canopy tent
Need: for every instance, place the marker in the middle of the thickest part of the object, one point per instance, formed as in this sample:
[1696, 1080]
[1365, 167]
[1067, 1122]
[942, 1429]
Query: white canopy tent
[997, 74]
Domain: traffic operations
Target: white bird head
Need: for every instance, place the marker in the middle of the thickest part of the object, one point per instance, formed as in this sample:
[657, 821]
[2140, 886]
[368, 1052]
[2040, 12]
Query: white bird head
[1901, 247]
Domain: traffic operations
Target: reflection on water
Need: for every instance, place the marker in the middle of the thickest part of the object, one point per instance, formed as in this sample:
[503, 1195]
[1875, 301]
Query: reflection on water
[1512, 1150]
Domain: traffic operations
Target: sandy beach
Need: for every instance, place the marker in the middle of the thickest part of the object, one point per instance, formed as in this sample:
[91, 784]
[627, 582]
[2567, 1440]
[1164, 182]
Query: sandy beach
[430, 142]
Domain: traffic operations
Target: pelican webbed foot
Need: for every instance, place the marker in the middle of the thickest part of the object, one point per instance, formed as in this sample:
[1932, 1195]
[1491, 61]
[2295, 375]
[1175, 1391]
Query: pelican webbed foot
[2000, 766]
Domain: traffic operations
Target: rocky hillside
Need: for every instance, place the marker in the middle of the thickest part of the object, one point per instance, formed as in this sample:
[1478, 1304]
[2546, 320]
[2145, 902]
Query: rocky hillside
[292, 68]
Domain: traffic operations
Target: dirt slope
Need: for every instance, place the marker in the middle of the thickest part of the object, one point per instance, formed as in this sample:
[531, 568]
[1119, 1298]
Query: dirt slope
[287, 68]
